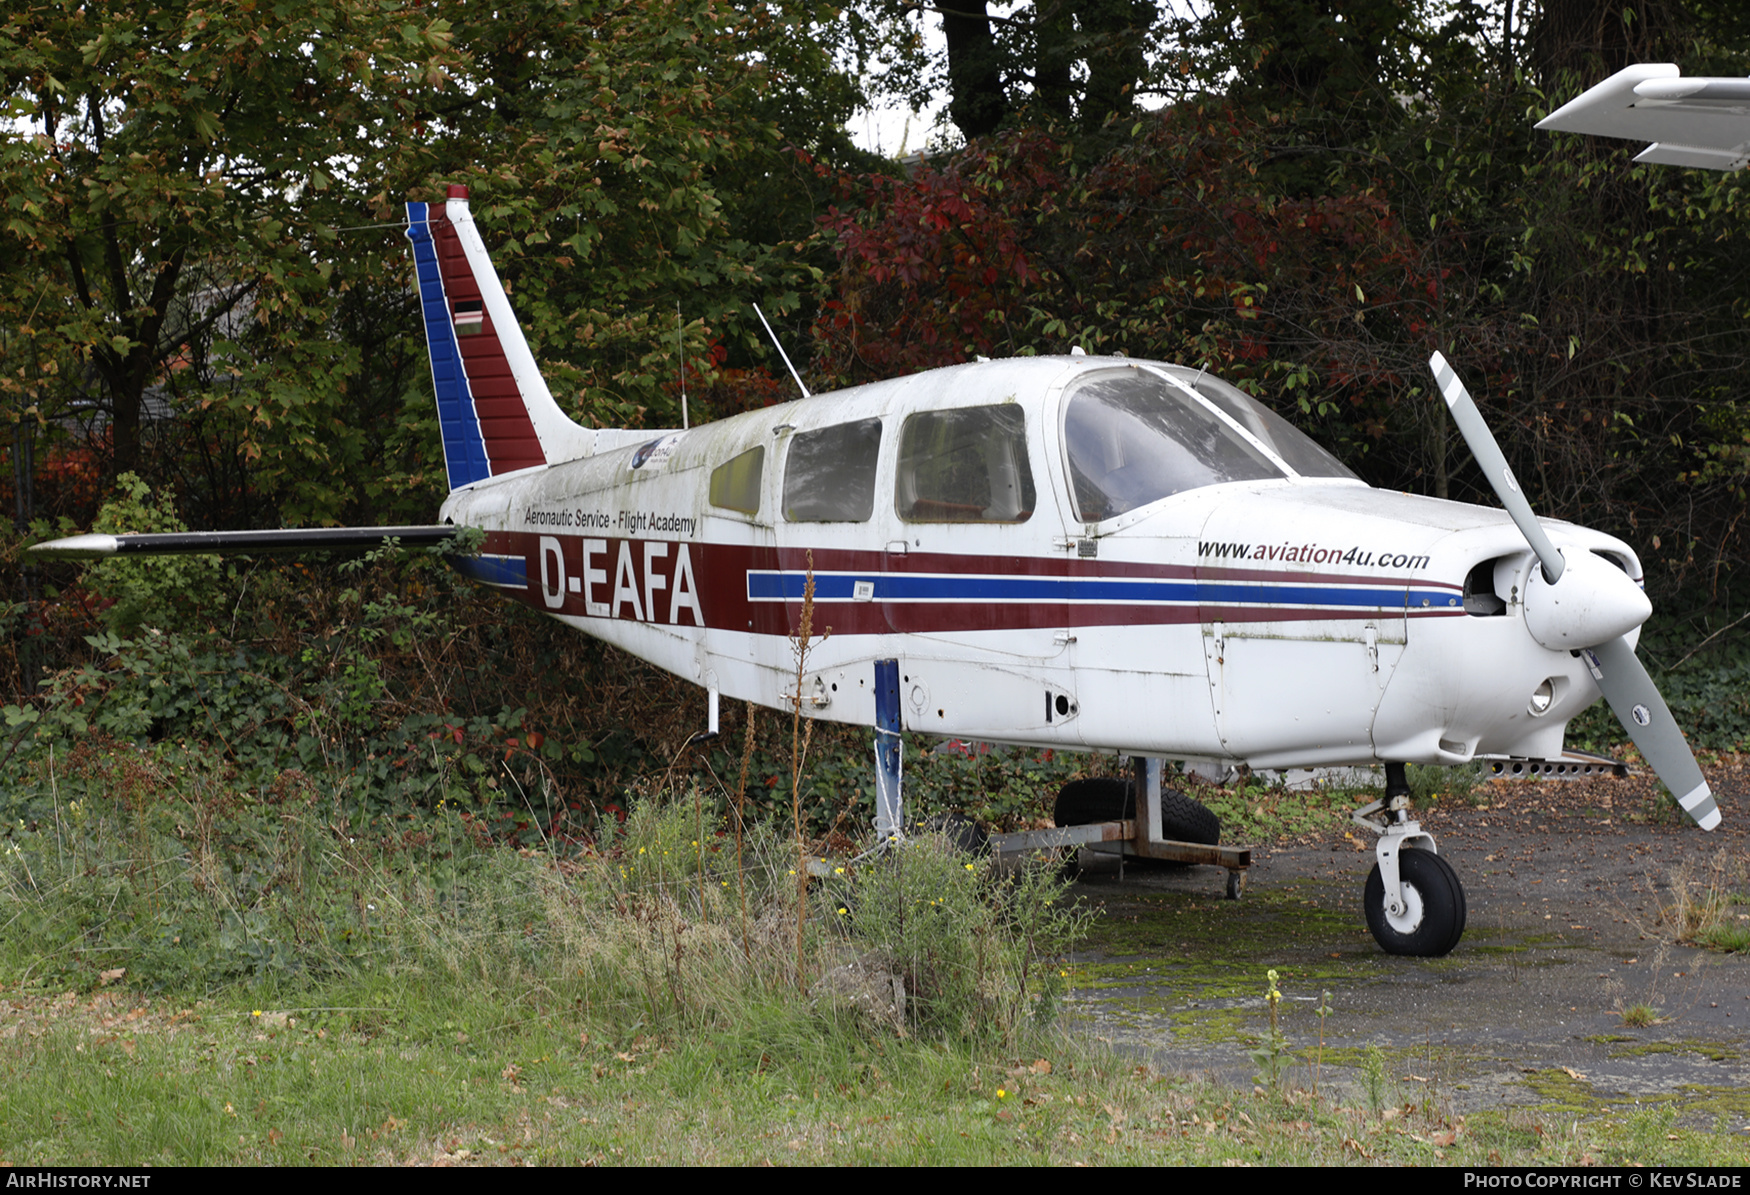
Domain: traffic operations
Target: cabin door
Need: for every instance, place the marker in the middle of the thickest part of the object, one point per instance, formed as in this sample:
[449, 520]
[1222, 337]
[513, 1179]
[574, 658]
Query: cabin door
[971, 587]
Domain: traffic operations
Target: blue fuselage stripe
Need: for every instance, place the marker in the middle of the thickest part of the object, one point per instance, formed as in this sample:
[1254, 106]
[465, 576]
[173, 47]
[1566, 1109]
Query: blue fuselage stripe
[771, 586]
[503, 571]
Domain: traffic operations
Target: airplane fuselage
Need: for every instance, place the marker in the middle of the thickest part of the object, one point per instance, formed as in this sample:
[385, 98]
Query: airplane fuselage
[1284, 620]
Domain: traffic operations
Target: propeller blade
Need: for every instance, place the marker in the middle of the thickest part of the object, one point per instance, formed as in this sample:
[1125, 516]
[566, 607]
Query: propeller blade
[1494, 465]
[1599, 601]
[1636, 701]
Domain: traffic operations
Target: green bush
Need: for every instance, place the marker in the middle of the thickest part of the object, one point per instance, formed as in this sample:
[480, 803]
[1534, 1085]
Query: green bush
[152, 591]
[1706, 682]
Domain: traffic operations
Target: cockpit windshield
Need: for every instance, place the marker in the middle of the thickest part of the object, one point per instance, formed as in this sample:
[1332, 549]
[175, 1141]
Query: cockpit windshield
[1134, 438]
[1295, 447]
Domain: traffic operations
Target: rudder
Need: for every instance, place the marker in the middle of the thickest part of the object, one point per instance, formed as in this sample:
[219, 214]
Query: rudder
[494, 407]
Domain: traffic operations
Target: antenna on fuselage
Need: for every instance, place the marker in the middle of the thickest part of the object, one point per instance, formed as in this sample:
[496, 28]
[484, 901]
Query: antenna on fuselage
[680, 344]
[781, 352]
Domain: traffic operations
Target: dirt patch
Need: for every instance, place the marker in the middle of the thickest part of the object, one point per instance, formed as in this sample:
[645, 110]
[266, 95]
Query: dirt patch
[1568, 989]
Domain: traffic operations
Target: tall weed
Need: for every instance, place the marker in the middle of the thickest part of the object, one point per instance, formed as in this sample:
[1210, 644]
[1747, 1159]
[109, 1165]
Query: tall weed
[150, 865]
[938, 942]
[1710, 905]
[973, 949]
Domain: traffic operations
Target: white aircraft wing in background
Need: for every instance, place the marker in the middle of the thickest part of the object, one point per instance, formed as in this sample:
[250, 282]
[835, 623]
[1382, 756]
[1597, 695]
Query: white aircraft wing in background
[1698, 122]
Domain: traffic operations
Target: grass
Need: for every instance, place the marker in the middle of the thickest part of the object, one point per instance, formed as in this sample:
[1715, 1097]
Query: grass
[439, 1071]
[196, 978]
[605, 1009]
[1641, 1015]
[1708, 906]
[208, 979]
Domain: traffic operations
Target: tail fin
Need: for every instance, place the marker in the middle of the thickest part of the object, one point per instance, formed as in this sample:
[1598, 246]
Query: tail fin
[495, 409]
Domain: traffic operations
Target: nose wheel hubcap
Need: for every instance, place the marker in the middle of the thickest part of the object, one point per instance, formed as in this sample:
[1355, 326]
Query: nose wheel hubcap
[1406, 921]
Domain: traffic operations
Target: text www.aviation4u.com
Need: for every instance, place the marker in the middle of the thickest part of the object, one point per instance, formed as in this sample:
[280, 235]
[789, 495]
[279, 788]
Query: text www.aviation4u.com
[1310, 554]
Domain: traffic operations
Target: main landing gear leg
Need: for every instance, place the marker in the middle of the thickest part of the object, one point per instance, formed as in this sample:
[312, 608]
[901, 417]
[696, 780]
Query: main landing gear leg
[1413, 900]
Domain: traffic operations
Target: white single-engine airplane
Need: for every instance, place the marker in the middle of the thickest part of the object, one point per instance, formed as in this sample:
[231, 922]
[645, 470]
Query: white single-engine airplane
[1072, 552]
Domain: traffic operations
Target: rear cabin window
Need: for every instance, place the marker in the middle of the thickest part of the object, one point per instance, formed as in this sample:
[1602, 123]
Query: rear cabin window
[735, 484]
[1132, 438]
[964, 466]
[829, 475]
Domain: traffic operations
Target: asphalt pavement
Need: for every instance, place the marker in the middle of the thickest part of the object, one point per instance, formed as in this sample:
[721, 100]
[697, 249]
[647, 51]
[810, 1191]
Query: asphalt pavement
[1570, 988]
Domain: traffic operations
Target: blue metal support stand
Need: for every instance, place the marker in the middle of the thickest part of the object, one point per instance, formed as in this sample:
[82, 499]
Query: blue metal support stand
[888, 801]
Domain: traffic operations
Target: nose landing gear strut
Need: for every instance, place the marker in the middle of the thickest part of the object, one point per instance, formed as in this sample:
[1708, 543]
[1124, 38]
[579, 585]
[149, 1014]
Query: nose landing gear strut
[1413, 900]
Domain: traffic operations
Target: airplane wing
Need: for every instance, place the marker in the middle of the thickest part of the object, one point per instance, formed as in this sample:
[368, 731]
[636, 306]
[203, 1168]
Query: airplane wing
[184, 543]
[1699, 122]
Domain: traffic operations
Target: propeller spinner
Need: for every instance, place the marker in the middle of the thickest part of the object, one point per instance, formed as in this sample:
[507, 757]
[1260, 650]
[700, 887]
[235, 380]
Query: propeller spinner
[1589, 605]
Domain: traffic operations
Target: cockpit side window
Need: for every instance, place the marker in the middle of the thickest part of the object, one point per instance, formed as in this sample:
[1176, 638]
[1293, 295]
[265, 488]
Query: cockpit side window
[1132, 438]
[829, 475]
[1298, 450]
[735, 484]
[964, 466]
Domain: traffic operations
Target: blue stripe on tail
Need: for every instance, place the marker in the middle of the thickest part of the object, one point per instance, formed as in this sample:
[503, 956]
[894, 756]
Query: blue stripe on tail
[464, 449]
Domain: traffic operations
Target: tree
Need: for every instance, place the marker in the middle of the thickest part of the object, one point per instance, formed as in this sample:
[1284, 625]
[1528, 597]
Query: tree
[1073, 62]
[631, 166]
[147, 209]
[205, 212]
[1597, 310]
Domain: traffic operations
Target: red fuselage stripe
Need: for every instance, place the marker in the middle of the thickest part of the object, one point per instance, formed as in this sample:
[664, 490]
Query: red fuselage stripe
[680, 583]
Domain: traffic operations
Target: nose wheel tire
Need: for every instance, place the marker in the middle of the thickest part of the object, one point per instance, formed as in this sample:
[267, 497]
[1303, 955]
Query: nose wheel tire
[1433, 918]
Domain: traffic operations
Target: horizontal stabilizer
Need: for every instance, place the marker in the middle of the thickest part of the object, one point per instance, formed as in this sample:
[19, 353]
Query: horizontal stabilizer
[196, 543]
